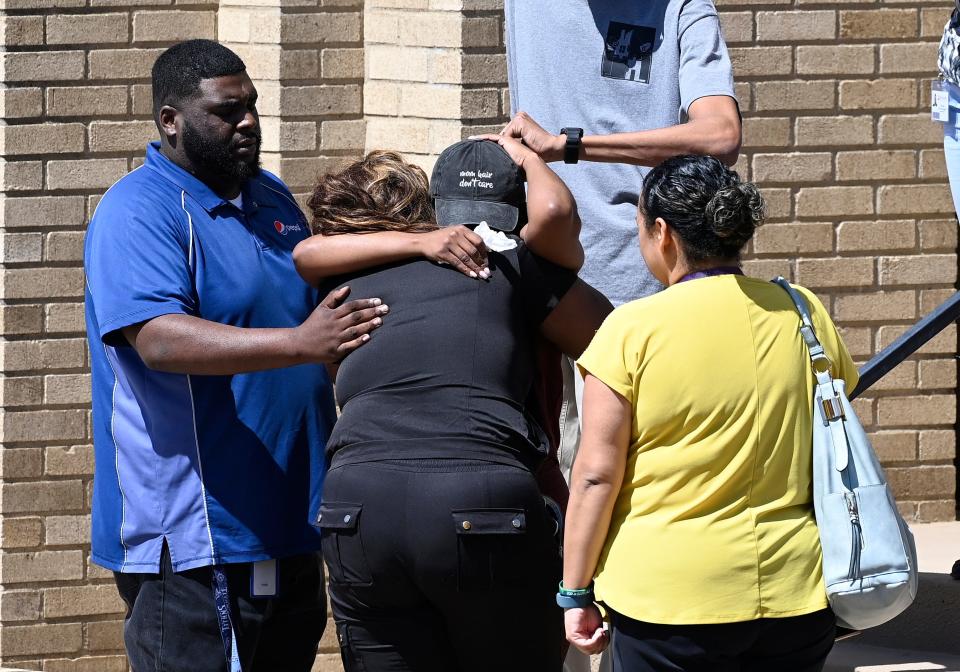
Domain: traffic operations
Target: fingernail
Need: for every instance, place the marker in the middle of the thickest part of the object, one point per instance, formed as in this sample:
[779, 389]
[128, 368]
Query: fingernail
[377, 321]
[375, 302]
[473, 274]
[383, 309]
[472, 137]
[365, 338]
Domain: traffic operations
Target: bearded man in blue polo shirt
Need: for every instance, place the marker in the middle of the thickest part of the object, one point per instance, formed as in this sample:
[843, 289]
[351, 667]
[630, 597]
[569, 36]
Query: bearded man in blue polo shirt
[211, 406]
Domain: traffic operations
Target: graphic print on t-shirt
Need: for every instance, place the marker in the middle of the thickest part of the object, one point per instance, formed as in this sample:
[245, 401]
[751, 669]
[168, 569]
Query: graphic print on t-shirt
[627, 52]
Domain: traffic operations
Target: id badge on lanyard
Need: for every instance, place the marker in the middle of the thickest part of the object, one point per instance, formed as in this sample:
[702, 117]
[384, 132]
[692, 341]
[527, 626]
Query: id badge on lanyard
[264, 579]
[939, 103]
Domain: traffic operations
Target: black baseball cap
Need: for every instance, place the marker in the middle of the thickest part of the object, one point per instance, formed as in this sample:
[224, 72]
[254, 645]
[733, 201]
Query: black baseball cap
[476, 181]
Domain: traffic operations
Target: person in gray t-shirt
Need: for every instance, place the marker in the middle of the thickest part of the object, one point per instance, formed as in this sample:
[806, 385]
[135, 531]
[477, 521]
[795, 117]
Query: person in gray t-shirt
[645, 81]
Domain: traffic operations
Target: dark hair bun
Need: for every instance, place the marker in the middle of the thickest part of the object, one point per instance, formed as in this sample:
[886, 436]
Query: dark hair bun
[705, 202]
[734, 212]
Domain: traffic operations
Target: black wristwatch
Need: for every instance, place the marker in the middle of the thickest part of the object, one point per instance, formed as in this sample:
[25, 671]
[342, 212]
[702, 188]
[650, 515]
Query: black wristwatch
[571, 151]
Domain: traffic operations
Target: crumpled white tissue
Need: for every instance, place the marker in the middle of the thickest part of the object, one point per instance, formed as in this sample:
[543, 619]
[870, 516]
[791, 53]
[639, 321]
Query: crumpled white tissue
[496, 241]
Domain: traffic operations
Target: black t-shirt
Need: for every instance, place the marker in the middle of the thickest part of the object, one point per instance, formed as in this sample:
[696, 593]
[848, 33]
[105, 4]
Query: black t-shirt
[448, 372]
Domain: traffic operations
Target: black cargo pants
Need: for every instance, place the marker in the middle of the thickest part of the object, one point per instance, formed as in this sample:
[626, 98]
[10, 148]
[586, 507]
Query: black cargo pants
[441, 565]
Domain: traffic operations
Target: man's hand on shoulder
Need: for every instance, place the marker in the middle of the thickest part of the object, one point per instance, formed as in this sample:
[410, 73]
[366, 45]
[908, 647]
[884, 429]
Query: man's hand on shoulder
[177, 343]
[547, 145]
[334, 328]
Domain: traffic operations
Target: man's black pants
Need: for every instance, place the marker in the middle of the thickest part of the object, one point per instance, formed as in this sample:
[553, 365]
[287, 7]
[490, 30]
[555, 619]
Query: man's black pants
[171, 622]
[793, 644]
[441, 566]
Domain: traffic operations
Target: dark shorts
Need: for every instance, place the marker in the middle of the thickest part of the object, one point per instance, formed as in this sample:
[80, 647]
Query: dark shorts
[794, 644]
[441, 566]
[171, 621]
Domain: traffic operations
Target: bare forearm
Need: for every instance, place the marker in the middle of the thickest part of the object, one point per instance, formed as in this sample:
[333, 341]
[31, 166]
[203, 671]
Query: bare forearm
[320, 257]
[573, 323]
[553, 225]
[588, 519]
[597, 476]
[186, 344]
[713, 127]
[714, 136]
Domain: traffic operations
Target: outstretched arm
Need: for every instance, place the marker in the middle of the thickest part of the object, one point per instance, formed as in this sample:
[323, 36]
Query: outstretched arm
[320, 257]
[572, 324]
[553, 225]
[713, 128]
[177, 343]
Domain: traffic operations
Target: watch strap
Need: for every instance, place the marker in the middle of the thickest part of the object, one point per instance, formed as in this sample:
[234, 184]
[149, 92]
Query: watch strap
[574, 601]
[571, 150]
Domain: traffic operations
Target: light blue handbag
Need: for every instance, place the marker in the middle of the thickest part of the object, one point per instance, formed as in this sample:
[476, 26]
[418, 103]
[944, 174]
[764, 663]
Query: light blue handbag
[869, 556]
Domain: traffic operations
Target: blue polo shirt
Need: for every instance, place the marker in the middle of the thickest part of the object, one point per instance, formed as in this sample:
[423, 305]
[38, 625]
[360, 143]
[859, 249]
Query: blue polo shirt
[223, 468]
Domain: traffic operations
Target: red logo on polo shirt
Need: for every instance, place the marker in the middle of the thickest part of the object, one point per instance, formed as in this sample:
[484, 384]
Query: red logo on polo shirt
[283, 228]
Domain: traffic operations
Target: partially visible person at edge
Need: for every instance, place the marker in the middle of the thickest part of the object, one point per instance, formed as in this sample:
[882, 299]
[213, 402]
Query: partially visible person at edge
[211, 408]
[697, 443]
[948, 64]
[441, 552]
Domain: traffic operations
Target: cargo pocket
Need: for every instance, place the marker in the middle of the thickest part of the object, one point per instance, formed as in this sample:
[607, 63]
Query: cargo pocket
[352, 662]
[491, 545]
[342, 543]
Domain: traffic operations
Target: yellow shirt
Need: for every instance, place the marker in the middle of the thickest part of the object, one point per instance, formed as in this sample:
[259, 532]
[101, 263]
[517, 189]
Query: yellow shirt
[714, 520]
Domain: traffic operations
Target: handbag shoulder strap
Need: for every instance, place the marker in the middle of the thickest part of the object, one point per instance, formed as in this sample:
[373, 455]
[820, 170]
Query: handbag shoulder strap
[829, 402]
[818, 356]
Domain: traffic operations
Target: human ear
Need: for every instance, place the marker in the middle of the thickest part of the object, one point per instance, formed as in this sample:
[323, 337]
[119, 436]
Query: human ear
[667, 243]
[167, 120]
[662, 234]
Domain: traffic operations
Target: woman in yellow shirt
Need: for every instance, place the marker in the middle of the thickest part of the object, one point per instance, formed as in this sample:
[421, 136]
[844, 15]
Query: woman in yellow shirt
[691, 500]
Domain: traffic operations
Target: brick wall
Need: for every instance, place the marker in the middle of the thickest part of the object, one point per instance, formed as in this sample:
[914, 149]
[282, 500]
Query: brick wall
[837, 132]
[77, 107]
[435, 73]
[306, 58]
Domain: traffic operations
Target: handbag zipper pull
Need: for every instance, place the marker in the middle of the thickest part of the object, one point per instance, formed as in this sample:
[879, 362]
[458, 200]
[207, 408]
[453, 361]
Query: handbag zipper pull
[857, 542]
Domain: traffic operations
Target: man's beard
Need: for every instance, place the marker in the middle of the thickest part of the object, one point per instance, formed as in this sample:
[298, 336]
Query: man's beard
[213, 157]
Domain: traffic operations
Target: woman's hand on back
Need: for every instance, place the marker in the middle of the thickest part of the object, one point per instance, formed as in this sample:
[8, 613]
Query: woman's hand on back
[456, 246]
[584, 629]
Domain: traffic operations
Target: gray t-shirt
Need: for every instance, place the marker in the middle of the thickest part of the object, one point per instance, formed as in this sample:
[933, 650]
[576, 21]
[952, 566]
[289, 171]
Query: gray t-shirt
[612, 66]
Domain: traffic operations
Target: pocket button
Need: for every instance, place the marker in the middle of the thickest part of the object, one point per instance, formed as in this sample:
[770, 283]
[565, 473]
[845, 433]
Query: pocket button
[517, 523]
[466, 525]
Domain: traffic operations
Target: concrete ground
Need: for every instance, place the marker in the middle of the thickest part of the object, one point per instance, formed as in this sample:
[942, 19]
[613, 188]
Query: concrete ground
[927, 635]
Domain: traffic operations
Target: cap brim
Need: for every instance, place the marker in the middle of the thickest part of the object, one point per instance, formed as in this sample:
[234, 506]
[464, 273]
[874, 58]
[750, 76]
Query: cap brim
[499, 216]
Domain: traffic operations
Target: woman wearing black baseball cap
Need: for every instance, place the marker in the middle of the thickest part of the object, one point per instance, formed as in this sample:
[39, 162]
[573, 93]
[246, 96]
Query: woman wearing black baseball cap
[435, 532]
